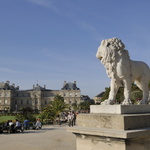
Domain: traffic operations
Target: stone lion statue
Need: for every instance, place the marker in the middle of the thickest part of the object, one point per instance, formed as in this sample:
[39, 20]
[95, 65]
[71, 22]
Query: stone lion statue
[123, 71]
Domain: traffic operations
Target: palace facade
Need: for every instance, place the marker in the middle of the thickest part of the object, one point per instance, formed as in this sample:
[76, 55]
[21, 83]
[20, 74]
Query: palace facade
[12, 99]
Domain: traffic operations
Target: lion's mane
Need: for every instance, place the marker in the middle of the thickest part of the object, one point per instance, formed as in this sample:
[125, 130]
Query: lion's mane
[114, 48]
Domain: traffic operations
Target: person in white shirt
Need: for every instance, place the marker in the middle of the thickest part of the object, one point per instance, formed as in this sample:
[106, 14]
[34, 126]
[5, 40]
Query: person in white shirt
[18, 124]
[38, 124]
[70, 119]
[11, 126]
[11, 123]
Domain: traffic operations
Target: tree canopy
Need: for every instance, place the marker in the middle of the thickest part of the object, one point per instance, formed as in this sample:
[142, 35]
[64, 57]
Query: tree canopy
[54, 108]
[136, 94]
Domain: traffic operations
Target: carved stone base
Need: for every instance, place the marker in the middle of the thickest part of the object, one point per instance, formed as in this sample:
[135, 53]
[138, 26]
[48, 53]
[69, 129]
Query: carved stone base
[99, 131]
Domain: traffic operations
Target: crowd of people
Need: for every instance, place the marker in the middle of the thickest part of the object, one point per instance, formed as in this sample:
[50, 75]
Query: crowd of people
[71, 119]
[66, 117]
[11, 126]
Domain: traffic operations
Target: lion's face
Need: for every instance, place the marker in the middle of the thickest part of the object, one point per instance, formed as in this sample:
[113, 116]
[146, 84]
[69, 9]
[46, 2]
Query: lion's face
[101, 50]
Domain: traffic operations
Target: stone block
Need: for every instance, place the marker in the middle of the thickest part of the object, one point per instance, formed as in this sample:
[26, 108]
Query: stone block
[114, 121]
[120, 109]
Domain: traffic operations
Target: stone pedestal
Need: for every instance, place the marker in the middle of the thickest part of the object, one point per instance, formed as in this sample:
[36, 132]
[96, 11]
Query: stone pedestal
[116, 130]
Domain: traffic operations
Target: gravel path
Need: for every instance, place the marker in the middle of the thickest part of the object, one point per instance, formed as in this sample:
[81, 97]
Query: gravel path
[48, 138]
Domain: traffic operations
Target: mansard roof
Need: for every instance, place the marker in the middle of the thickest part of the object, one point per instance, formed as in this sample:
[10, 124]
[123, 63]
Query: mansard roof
[39, 88]
[7, 86]
[70, 86]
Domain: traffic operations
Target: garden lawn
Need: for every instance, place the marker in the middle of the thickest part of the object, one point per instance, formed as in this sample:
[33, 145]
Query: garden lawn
[6, 118]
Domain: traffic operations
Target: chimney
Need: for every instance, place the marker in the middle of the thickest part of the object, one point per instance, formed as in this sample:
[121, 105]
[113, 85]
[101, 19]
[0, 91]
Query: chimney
[7, 82]
[64, 83]
[44, 86]
[75, 82]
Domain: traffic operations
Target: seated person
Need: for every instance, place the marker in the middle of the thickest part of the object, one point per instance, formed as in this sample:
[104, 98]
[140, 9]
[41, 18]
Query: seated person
[18, 125]
[26, 124]
[38, 124]
[11, 126]
[7, 123]
[11, 123]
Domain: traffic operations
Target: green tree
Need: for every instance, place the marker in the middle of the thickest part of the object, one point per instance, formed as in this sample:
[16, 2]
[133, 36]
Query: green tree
[26, 112]
[85, 105]
[47, 113]
[120, 95]
[58, 105]
[136, 94]
[106, 94]
[55, 107]
[75, 106]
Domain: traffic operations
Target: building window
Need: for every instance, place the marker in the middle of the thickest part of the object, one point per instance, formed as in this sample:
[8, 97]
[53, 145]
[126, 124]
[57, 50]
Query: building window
[15, 102]
[21, 102]
[36, 102]
[45, 102]
[6, 101]
[0, 101]
[27, 102]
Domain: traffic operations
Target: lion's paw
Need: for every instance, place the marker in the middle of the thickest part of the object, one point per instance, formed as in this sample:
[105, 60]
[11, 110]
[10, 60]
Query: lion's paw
[126, 102]
[107, 102]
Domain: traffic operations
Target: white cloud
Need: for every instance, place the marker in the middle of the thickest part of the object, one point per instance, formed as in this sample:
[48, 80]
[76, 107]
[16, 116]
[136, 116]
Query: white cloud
[46, 3]
[68, 14]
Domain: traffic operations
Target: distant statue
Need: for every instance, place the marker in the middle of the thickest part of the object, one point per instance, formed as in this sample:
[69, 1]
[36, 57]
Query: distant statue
[123, 71]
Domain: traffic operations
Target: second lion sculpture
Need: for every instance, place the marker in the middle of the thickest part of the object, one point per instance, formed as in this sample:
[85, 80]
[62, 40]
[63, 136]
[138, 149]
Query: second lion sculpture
[122, 71]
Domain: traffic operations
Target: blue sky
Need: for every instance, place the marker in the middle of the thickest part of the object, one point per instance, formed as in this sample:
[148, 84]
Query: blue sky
[52, 41]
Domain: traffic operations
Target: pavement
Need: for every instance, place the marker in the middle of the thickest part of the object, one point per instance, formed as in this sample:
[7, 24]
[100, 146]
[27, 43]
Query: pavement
[50, 137]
